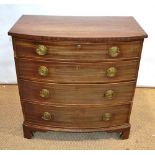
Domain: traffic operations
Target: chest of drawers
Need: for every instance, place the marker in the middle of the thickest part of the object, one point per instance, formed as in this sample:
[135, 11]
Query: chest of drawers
[77, 74]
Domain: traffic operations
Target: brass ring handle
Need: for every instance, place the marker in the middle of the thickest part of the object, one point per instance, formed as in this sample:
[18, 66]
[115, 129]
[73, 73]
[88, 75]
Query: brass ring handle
[109, 94]
[43, 71]
[41, 50]
[107, 116]
[44, 93]
[113, 51]
[46, 116]
[111, 72]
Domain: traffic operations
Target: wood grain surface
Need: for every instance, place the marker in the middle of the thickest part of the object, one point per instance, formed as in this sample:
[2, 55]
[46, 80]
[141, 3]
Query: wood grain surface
[72, 28]
[76, 116]
[77, 72]
[77, 94]
[77, 77]
[68, 51]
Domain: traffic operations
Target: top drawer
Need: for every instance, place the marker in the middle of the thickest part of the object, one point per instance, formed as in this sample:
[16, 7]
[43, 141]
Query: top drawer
[78, 51]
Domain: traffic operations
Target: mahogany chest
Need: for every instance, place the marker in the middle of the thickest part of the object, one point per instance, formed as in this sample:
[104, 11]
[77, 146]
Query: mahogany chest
[77, 74]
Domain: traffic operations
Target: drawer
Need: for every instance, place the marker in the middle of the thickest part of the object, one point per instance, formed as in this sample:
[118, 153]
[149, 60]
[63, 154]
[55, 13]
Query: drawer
[76, 116]
[105, 94]
[78, 51]
[77, 72]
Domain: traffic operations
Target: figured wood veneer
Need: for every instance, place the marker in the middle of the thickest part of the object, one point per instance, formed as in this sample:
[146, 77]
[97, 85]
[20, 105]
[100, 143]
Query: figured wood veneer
[77, 72]
[76, 116]
[71, 95]
[75, 28]
[66, 94]
[68, 51]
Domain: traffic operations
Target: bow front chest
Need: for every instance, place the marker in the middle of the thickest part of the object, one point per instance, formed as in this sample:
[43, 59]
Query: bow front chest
[77, 74]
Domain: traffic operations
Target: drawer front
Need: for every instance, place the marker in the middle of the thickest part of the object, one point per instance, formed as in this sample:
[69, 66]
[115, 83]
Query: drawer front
[104, 94]
[77, 72]
[74, 51]
[76, 116]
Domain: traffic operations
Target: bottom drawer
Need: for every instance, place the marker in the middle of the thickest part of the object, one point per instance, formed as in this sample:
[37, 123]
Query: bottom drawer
[76, 116]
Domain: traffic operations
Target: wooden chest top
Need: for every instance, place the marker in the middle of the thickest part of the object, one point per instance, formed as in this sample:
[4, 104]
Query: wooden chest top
[76, 28]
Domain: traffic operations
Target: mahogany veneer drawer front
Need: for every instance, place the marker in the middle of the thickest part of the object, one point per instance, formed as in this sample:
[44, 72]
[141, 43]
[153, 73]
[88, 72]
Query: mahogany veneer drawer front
[75, 116]
[78, 51]
[77, 74]
[104, 94]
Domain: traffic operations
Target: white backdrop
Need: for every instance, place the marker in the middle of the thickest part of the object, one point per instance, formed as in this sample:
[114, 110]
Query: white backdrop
[142, 10]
